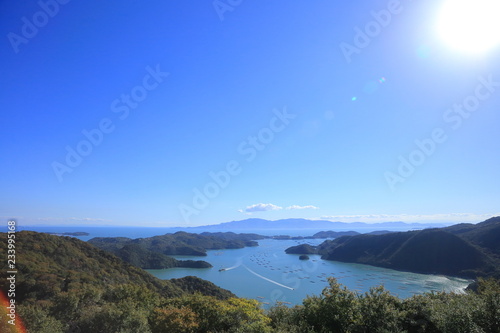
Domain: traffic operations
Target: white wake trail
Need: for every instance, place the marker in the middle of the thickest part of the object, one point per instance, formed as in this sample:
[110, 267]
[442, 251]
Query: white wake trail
[238, 263]
[263, 277]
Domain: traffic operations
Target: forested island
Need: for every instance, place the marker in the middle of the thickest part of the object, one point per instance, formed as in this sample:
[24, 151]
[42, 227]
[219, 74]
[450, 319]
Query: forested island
[153, 252]
[76, 233]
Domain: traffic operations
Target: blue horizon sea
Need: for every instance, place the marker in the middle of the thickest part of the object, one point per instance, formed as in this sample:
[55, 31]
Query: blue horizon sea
[266, 273]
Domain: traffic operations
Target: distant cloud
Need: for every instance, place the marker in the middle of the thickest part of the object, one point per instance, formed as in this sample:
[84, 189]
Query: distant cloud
[449, 217]
[86, 219]
[301, 207]
[261, 207]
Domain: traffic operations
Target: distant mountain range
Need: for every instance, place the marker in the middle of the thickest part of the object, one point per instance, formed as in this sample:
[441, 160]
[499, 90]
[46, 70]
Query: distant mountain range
[294, 224]
[466, 250]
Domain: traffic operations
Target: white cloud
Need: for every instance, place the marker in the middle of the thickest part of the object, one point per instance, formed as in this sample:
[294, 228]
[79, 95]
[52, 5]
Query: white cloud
[292, 207]
[261, 207]
[88, 219]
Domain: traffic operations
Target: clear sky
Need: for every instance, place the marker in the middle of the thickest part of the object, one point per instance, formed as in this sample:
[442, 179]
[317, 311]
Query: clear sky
[184, 113]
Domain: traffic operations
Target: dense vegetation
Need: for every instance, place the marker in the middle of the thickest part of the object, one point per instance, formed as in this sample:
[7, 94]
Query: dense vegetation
[77, 233]
[464, 250]
[139, 256]
[302, 249]
[231, 236]
[66, 285]
[328, 234]
[152, 252]
[180, 243]
[334, 234]
[62, 280]
[339, 310]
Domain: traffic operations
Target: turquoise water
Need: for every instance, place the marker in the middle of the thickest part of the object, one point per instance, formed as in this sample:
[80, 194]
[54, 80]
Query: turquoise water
[266, 273]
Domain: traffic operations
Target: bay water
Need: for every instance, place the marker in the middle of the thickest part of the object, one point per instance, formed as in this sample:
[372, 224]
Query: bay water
[266, 273]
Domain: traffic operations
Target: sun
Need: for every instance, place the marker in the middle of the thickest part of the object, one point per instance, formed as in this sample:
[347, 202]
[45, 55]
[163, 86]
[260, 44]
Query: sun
[470, 26]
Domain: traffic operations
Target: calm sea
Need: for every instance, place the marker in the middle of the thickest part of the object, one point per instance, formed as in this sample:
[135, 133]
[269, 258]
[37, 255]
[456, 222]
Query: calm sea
[266, 273]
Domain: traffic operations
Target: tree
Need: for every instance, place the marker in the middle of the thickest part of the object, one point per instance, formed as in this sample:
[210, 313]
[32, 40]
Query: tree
[379, 311]
[174, 320]
[335, 310]
[232, 315]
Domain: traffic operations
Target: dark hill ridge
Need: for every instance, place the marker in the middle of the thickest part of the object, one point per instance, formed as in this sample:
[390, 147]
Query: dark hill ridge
[245, 237]
[429, 249]
[184, 243]
[50, 265]
[139, 256]
[464, 250]
[485, 234]
[326, 234]
[152, 252]
[302, 249]
[334, 234]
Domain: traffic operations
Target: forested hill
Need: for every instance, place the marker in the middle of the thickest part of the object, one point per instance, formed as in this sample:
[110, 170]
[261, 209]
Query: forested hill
[465, 250]
[49, 265]
[485, 234]
[180, 243]
[152, 252]
[66, 285]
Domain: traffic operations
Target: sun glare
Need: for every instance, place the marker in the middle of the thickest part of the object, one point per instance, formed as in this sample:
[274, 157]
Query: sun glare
[470, 26]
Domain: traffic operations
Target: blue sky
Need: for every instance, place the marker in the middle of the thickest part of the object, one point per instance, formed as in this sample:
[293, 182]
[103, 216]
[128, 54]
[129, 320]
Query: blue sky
[297, 113]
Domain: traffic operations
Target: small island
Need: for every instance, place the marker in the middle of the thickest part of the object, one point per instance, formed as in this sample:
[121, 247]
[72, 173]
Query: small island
[76, 233]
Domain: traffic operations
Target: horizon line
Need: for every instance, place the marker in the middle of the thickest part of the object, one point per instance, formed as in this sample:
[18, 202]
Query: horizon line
[221, 224]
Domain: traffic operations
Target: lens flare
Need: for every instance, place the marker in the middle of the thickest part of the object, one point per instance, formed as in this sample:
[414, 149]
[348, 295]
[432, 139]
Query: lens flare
[4, 315]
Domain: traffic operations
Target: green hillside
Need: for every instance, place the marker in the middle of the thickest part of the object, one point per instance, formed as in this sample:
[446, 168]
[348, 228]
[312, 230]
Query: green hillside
[180, 243]
[485, 234]
[464, 250]
[64, 282]
[53, 264]
[139, 256]
[152, 252]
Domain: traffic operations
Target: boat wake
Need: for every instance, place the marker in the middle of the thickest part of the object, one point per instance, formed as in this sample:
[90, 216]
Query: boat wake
[263, 277]
[238, 264]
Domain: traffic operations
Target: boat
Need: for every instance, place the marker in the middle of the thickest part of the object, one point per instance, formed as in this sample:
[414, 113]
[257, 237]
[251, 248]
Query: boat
[222, 270]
